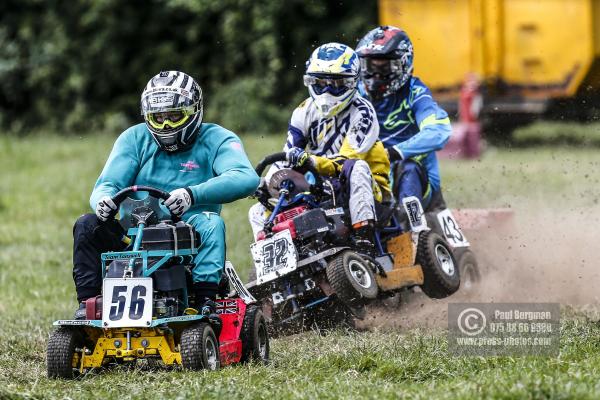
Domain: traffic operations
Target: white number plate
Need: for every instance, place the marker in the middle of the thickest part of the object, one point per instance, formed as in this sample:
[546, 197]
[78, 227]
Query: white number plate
[127, 302]
[274, 256]
[452, 232]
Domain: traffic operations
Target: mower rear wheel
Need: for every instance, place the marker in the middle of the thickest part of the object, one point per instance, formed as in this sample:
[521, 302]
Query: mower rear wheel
[255, 336]
[61, 356]
[351, 278]
[200, 348]
[440, 270]
[470, 275]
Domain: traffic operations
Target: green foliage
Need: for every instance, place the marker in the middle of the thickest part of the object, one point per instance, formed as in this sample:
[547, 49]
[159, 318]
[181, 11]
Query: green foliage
[73, 65]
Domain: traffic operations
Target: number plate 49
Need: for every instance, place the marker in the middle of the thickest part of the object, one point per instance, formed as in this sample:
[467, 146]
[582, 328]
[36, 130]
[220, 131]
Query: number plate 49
[127, 302]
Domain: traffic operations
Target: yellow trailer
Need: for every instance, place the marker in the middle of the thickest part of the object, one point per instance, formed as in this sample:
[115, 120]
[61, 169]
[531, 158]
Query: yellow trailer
[526, 52]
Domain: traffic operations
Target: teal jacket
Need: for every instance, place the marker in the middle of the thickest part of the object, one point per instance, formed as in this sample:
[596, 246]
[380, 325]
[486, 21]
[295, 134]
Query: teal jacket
[215, 168]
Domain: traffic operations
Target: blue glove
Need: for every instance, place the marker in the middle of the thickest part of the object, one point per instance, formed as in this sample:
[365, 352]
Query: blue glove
[296, 157]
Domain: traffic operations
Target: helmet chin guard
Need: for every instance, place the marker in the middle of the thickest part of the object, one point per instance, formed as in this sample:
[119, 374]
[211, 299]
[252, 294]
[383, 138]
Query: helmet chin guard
[330, 105]
[331, 77]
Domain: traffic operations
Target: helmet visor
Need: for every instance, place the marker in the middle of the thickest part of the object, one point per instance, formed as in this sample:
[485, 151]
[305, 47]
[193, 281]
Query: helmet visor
[335, 86]
[170, 119]
[381, 68]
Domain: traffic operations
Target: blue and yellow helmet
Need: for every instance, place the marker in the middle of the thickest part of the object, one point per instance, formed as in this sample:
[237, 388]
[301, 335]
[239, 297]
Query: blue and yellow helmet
[331, 76]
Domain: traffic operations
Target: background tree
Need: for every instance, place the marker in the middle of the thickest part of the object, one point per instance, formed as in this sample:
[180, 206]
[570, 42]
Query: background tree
[79, 65]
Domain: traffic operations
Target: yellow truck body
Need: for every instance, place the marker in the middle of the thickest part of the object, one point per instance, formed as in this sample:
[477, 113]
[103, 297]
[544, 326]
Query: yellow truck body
[526, 52]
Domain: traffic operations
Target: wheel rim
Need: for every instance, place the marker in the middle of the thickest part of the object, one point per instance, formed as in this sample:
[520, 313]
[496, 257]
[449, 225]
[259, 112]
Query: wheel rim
[262, 341]
[211, 354]
[360, 274]
[445, 259]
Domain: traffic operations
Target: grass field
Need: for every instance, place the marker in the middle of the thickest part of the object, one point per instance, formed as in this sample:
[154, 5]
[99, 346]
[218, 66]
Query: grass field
[45, 183]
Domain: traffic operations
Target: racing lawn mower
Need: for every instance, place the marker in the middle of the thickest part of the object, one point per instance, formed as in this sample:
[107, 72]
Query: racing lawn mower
[308, 270]
[144, 311]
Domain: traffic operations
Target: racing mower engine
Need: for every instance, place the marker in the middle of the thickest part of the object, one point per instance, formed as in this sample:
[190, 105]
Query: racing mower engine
[311, 226]
[312, 231]
[170, 282]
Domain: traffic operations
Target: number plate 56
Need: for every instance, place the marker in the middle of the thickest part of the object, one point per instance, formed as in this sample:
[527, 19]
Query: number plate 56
[127, 302]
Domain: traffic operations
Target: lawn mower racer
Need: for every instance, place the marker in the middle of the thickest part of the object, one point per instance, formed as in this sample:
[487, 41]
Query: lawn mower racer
[412, 128]
[174, 150]
[340, 130]
[145, 311]
[309, 270]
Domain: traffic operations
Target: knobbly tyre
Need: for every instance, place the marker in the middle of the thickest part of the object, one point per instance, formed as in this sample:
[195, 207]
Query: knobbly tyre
[442, 221]
[144, 310]
[307, 270]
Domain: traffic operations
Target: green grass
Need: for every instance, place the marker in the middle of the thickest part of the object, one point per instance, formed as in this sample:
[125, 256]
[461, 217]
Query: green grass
[570, 133]
[45, 184]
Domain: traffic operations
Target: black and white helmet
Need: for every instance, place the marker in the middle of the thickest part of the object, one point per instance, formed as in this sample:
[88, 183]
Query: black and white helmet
[172, 108]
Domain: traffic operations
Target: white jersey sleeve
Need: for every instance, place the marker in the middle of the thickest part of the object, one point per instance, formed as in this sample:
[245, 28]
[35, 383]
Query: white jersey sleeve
[364, 127]
[297, 135]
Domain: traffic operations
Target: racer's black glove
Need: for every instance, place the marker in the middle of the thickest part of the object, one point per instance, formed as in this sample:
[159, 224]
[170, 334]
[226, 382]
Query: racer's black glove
[262, 192]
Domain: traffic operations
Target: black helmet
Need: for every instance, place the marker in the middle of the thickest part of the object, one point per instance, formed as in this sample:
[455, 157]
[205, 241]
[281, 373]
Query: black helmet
[172, 109]
[386, 60]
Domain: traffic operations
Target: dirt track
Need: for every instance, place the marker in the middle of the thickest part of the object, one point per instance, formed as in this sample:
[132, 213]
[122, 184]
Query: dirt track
[543, 256]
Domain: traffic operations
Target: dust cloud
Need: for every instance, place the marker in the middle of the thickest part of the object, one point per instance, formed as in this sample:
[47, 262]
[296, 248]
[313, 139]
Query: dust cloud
[541, 255]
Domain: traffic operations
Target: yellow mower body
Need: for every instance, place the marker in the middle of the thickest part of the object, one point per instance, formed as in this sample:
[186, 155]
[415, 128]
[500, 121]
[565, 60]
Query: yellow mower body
[405, 272]
[113, 343]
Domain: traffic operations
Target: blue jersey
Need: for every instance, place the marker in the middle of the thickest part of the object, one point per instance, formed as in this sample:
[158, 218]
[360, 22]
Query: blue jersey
[414, 124]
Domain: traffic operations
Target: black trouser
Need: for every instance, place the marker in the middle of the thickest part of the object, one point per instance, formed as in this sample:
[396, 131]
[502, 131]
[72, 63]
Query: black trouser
[90, 239]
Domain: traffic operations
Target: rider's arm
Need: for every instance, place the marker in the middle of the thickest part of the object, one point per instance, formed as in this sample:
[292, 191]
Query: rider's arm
[296, 135]
[120, 169]
[235, 178]
[434, 125]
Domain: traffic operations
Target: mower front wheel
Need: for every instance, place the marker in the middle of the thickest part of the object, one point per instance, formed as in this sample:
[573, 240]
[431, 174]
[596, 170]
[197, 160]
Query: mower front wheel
[61, 356]
[200, 348]
[351, 278]
[440, 270]
[255, 336]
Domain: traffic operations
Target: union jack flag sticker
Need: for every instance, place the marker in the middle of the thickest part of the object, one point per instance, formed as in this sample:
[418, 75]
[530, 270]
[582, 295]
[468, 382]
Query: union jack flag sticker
[227, 307]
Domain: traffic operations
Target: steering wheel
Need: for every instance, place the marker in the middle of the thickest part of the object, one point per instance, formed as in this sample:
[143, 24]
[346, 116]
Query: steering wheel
[156, 193]
[281, 156]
